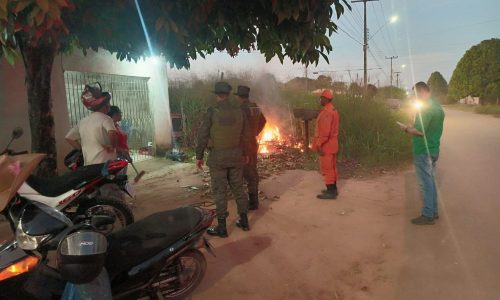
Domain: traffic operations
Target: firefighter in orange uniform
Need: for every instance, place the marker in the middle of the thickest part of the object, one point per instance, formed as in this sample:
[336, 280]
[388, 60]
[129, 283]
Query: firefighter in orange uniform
[326, 143]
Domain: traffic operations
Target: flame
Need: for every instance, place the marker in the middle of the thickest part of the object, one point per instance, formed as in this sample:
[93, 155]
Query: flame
[270, 133]
[263, 149]
[269, 136]
[271, 140]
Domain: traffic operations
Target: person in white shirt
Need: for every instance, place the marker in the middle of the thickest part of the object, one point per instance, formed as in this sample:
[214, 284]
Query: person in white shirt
[96, 134]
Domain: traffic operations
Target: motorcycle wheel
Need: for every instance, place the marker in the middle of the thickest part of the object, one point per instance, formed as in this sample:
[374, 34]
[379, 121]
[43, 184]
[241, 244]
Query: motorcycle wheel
[189, 270]
[108, 206]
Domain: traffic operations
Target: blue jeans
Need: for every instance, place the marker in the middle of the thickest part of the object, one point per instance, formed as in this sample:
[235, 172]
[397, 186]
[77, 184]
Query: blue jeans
[425, 166]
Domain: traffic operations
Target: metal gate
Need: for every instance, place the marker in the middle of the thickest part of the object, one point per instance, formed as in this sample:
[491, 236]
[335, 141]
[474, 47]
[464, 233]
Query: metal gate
[130, 93]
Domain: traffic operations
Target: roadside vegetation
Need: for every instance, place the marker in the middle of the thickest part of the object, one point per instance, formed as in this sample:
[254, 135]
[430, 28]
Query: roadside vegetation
[368, 133]
[490, 109]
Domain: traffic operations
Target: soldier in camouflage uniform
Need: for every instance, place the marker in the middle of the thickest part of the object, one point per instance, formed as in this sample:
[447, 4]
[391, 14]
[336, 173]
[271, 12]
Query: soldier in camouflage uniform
[224, 132]
[256, 122]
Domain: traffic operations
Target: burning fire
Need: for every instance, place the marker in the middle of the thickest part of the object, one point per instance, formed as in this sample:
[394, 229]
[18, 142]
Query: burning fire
[269, 136]
[271, 140]
[270, 133]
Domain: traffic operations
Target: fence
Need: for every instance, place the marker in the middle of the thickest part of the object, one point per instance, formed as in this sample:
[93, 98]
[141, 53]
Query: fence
[130, 93]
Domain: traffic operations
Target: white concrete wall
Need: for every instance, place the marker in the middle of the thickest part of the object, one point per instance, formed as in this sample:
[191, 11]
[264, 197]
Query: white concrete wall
[14, 106]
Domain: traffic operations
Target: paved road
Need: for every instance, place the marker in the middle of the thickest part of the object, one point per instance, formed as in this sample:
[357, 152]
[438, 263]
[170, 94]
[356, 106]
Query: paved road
[458, 258]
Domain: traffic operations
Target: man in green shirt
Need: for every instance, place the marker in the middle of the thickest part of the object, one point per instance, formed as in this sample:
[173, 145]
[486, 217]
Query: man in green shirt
[426, 135]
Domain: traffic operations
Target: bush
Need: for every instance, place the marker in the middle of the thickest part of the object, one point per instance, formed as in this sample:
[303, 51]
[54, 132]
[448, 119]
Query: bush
[488, 109]
[368, 130]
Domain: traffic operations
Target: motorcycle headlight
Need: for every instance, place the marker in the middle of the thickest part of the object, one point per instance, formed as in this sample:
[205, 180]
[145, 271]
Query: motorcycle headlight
[28, 242]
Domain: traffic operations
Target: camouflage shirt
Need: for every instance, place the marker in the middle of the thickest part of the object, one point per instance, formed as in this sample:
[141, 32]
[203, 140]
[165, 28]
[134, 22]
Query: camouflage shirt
[227, 157]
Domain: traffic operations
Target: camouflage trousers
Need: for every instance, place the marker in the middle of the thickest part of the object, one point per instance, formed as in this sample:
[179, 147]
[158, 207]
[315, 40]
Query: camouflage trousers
[221, 178]
[251, 175]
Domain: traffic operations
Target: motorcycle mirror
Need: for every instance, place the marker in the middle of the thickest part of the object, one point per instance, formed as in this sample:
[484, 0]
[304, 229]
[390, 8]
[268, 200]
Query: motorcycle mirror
[17, 133]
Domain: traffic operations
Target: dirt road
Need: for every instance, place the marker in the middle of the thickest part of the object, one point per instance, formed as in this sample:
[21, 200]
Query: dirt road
[459, 258]
[361, 246]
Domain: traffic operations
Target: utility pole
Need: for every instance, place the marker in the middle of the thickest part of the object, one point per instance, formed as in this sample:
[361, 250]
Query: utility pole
[365, 45]
[397, 78]
[391, 58]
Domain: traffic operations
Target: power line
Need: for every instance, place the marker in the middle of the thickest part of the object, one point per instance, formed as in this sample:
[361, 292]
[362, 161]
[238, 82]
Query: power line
[378, 64]
[354, 27]
[389, 36]
[354, 39]
[359, 16]
[365, 45]
[346, 70]
[381, 25]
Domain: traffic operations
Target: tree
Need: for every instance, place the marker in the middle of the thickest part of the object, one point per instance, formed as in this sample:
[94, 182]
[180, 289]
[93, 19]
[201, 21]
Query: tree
[371, 91]
[479, 67]
[339, 87]
[179, 30]
[325, 81]
[390, 92]
[438, 86]
[355, 90]
[491, 93]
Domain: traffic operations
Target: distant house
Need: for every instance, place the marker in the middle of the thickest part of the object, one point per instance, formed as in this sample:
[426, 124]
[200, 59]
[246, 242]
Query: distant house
[469, 100]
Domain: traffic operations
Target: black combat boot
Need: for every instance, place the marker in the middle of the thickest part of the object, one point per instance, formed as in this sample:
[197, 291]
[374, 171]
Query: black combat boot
[334, 187]
[220, 230]
[330, 192]
[243, 222]
[253, 201]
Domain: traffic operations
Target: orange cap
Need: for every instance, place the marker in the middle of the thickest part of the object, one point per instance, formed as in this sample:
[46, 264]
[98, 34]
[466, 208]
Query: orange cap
[327, 93]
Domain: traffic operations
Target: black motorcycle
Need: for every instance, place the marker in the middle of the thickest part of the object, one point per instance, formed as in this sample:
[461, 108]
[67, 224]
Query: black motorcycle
[157, 257]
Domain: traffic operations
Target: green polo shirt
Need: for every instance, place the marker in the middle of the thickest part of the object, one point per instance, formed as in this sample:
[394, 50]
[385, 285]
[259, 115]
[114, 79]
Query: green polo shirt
[430, 121]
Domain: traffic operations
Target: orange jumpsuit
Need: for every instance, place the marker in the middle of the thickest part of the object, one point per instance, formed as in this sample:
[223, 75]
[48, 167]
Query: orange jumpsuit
[326, 140]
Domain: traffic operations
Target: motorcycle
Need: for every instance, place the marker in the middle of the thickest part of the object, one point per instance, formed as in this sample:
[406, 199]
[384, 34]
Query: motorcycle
[79, 192]
[157, 257]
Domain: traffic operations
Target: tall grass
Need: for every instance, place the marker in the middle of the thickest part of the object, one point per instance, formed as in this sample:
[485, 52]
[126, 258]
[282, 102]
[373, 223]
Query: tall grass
[368, 132]
[489, 109]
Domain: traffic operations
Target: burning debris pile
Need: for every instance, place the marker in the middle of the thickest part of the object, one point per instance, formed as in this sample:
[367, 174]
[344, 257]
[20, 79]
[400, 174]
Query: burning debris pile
[278, 152]
[286, 158]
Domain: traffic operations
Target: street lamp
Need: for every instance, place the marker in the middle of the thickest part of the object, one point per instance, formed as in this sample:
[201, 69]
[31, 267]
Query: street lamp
[394, 19]
[391, 20]
[403, 66]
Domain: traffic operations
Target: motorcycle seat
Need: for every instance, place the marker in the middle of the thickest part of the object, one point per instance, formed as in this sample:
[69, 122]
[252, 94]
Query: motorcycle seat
[145, 238]
[56, 186]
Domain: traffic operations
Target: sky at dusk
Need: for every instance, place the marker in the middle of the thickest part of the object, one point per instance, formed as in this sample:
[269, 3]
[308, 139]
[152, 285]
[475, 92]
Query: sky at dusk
[428, 36]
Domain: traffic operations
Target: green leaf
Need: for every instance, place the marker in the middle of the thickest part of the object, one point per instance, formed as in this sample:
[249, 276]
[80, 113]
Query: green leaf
[10, 55]
[22, 4]
[159, 23]
[173, 26]
[3, 15]
[325, 57]
[43, 4]
[339, 9]
[54, 11]
[3, 5]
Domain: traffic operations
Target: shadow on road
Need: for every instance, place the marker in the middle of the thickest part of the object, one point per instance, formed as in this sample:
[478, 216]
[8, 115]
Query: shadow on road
[231, 255]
